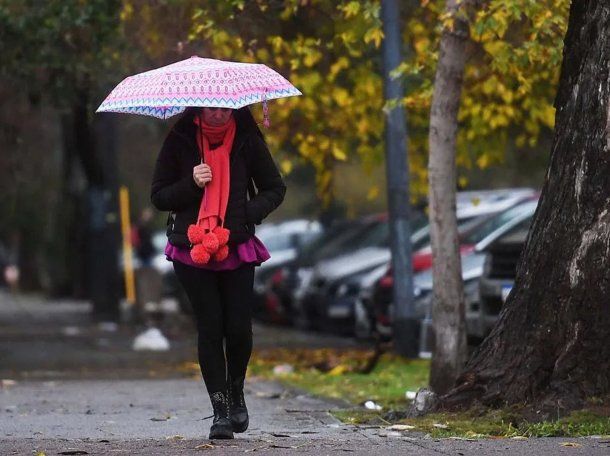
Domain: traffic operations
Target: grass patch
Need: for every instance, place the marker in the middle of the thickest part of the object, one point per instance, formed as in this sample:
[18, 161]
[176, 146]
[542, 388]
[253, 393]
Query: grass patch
[493, 423]
[335, 374]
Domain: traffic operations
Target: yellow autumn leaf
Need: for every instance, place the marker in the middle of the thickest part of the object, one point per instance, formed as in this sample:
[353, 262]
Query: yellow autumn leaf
[375, 35]
[338, 153]
[286, 166]
[339, 370]
[312, 56]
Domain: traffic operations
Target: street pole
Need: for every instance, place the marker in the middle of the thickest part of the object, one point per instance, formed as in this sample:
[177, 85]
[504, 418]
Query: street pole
[397, 170]
[104, 234]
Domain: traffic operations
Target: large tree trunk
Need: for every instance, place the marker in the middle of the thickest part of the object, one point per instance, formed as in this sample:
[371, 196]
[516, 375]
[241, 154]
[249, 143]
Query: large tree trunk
[550, 347]
[448, 311]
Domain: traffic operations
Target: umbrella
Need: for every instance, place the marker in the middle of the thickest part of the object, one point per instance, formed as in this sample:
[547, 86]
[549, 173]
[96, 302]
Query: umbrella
[169, 90]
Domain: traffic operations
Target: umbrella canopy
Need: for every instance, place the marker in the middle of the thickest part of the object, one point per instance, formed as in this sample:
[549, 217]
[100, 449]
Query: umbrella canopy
[169, 90]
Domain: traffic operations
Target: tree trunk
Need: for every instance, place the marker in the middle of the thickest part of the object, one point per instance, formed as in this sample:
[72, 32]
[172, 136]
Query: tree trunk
[448, 311]
[550, 347]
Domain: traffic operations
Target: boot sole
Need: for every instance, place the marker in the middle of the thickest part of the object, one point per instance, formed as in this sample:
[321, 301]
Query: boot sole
[238, 429]
[221, 432]
[220, 436]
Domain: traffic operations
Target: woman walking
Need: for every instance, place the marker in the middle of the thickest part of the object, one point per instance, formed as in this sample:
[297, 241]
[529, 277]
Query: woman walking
[203, 177]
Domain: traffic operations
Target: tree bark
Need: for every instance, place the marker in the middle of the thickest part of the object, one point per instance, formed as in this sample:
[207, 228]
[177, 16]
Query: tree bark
[550, 347]
[448, 309]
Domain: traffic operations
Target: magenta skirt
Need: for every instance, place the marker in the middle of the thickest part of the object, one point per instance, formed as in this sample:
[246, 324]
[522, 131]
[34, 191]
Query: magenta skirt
[251, 251]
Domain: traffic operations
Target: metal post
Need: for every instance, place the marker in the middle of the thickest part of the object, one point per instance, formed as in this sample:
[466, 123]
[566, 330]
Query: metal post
[103, 242]
[397, 169]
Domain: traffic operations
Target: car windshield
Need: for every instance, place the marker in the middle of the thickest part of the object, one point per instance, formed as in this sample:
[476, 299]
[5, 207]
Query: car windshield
[498, 220]
[421, 237]
[277, 241]
[517, 234]
[339, 238]
[352, 235]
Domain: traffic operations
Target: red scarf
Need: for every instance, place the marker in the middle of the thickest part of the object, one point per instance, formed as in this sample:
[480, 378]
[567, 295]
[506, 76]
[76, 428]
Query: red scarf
[208, 236]
[216, 193]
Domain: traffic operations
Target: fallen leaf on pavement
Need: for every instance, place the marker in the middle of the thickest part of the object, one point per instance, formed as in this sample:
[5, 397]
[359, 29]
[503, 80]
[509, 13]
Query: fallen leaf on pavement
[400, 427]
[570, 444]
[71, 451]
[390, 434]
[7, 383]
[162, 418]
[174, 437]
[339, 370]
[205, 446]
[265, 395]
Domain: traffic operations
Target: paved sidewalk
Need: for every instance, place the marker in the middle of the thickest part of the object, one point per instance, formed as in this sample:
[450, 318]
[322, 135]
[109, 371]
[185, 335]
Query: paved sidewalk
[165, 417]
[71, 387]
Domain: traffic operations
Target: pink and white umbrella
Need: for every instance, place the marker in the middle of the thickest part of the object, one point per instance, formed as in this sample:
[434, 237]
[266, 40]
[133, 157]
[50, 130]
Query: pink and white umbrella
[169, 90]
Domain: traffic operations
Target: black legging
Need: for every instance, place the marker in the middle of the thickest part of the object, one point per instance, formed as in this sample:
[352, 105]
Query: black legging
[221, 302]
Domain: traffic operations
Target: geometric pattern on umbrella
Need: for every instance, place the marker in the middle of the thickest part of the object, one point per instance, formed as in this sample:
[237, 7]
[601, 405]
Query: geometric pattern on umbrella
[169, 90]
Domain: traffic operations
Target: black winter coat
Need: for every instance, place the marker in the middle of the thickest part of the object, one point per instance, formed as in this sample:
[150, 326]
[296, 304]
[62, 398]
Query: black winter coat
[173, 188]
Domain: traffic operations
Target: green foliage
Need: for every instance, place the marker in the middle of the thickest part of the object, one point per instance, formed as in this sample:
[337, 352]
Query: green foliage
[493, 423]
[58, 47]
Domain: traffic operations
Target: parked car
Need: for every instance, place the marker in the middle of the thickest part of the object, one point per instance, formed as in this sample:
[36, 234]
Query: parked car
[472, 268]
[366, 233]
[328, 307]
[329, 277]
[283, 240]
[498, 274]
[277, 304]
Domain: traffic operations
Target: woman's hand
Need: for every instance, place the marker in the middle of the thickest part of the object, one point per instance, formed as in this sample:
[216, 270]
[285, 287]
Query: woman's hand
[202, 174]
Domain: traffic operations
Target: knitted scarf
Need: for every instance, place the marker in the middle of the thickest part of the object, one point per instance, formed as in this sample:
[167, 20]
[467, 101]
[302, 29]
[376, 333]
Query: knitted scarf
[208, 236]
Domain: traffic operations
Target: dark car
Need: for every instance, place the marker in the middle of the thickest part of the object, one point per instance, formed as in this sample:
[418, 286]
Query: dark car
[286, 285]
[276, 290]
[328, 301]
[283, 241]
[499, 271]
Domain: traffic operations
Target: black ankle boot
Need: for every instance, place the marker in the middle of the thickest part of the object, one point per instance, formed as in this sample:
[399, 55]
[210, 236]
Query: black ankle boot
[238, 413]
[221, 425]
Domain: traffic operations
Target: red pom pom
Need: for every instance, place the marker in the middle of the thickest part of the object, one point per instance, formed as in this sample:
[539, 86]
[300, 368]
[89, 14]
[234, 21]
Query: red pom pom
[222, 253]
[222, 234]
[195, 234]
[210, 242]
[199, 254]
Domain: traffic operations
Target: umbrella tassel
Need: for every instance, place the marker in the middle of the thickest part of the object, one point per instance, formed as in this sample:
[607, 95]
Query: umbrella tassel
[266, 121]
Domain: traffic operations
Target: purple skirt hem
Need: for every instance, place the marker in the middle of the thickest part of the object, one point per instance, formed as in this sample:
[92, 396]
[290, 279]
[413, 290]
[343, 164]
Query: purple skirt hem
[251, 251]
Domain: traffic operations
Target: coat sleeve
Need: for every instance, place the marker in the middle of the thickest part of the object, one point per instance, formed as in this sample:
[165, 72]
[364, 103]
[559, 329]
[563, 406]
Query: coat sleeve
[169, 190]
[268, 181]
